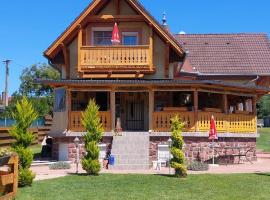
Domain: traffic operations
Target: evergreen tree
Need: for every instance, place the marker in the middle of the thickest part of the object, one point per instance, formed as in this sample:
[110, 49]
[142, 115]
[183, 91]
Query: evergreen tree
[24, 115]
[177, 162]
[93, 126]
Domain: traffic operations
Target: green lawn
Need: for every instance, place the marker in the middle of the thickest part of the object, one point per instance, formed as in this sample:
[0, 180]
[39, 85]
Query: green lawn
[219, 187]
[263, 143]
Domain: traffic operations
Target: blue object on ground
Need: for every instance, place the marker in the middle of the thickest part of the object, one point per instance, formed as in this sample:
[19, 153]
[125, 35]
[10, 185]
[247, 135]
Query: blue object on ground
[111, 160]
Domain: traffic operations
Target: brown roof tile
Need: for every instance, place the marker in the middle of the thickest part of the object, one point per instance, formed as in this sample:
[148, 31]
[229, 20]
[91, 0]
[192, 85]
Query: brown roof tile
[227, 53]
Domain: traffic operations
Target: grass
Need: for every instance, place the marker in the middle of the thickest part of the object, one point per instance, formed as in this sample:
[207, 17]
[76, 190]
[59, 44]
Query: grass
[113, 187]
[263, 143]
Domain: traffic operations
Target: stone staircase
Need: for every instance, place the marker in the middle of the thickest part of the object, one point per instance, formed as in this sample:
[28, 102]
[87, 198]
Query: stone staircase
[131, 151]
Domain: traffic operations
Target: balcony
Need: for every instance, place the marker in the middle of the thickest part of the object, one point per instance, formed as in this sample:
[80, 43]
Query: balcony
[115, 59]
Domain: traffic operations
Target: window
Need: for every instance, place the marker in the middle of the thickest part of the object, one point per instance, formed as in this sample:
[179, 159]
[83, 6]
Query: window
[102, 36]
[60, 100]
[130, 38]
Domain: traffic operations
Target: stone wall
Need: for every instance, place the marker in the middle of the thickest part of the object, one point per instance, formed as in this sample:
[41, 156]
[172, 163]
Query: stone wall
[72, 148]
[198, 148]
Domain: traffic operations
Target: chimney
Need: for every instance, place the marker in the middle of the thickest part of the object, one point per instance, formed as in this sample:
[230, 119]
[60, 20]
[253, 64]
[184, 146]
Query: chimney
[164, 22]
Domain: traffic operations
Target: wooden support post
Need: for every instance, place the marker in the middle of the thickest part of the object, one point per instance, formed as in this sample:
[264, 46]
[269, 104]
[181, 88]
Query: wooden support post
[167, 60]
[196, 105]
[69, 102]
[151, 49]
[112, 108]
[225, 103]
[80, 34]
[66, 60]
[151, 108]
[118, 7]
[254, 111]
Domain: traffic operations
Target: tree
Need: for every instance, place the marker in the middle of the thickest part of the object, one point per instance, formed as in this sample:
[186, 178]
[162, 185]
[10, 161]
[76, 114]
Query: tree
[177, 162]
[93, 126]
[24, 116]
[263, 106]
[41, 96]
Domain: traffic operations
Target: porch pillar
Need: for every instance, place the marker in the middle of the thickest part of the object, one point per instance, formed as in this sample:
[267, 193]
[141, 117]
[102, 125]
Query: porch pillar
[196, 103]
[254, 111]
[225, 103]
[151, 108]
[112, 105]
[68, 101]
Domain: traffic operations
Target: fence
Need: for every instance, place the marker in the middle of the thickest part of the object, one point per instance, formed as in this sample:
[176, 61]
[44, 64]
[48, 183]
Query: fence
[39, 131]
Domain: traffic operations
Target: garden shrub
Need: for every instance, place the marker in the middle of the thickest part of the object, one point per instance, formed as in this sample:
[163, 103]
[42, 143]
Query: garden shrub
[93, 126]
[177, 162]
[60, 165]
[198, 166]
[26, 177]
[24, 115]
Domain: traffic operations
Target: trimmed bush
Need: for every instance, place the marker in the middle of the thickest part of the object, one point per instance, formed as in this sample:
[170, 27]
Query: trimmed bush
[60, 165]
[24, 116]
[93, 126]
[26, 177]
[198, 166]
[177, 162]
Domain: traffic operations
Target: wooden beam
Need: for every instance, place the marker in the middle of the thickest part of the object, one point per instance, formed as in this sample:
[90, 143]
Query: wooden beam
[79, 48]
[225, 103]
[69, 108]
[112, 108]
[118, 7]
[151, 108]
[66, 59]
[115, 18]
[151, 48]
[196, 106]
[113, 75]
[167, 60]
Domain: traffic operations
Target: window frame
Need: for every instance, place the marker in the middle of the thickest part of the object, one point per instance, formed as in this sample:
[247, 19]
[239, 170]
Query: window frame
[98, 29]
[130, 33]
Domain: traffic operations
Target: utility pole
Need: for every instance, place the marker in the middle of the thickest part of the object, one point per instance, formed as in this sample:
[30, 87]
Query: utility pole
[6, 62]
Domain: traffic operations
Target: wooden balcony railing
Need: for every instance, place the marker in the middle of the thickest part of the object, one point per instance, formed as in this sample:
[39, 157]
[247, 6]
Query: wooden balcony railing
[115, 57]
[76, 124]
[162, 120]
[231, 123]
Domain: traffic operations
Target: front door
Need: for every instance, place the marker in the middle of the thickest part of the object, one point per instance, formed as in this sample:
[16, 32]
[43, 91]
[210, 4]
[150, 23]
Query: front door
[133, 111]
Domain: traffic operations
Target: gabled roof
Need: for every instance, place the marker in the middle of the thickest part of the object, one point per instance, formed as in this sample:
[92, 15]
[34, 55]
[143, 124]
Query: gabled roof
[242, 54]
[97, 4]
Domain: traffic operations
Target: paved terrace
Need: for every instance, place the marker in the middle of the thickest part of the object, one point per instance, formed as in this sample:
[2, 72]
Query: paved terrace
[262, 165]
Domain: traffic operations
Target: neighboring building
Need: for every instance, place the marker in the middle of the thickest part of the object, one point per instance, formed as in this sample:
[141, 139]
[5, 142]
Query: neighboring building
[152, 76]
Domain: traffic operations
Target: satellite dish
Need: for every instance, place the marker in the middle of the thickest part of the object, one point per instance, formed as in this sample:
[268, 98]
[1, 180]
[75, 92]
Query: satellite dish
[182, 33]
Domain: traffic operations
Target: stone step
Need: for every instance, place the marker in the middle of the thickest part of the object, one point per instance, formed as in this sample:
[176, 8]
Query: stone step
[130, 167]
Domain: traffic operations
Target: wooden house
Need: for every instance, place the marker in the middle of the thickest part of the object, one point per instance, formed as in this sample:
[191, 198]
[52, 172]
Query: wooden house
[153, 75]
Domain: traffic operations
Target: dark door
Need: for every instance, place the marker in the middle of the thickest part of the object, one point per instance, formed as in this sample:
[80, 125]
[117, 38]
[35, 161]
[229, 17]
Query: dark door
[134, 112]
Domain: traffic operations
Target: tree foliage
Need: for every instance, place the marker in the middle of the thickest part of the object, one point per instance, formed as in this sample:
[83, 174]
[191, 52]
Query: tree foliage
[93, 126]
[177, 162]
[24, 115]
[41, 96]
[263, 106]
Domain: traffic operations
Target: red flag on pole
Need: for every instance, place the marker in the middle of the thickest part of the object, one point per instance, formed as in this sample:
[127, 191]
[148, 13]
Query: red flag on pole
[213, 130]
[115, 35]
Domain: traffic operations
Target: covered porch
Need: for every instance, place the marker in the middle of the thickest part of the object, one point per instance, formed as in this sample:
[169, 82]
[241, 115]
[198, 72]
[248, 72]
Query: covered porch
[144, 108]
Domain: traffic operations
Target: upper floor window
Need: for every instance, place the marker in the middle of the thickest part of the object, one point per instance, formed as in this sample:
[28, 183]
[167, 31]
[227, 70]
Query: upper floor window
[130, 38]
[102, 36]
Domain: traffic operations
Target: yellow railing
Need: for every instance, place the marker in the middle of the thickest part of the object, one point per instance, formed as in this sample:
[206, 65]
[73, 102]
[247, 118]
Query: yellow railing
[115, 57]
[225, 123]
[162, 120]
[76, 124]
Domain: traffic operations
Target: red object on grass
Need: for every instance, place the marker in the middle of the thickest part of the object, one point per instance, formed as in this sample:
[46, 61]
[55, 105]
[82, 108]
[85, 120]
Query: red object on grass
[213, 130]
[115, 35]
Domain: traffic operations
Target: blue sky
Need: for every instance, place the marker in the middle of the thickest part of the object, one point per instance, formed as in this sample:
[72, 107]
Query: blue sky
[28, 27]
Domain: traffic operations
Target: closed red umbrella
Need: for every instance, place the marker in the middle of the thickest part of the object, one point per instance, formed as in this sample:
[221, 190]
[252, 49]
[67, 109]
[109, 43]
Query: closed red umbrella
[213, 129]
[115, 35]
[213, 136]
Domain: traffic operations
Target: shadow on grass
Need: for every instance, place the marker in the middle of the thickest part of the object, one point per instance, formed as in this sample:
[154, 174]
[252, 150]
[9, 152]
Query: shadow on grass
[262, 174]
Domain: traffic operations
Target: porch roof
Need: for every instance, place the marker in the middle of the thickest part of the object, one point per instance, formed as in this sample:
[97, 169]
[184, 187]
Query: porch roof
[153, 82]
